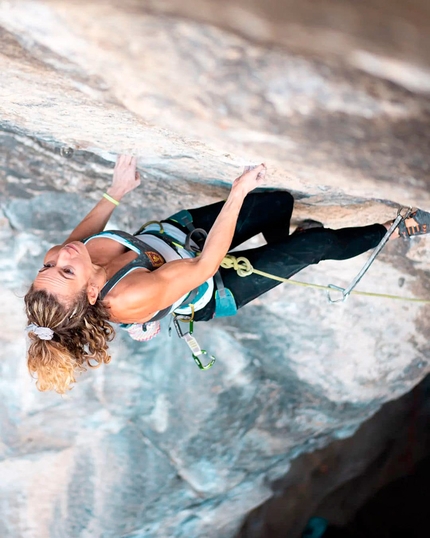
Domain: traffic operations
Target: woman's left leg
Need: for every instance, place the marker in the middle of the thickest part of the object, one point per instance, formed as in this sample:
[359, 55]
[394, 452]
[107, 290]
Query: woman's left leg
[291, 255]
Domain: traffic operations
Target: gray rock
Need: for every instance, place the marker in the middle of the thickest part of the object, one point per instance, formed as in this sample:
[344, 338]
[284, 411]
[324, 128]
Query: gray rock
[149, 446]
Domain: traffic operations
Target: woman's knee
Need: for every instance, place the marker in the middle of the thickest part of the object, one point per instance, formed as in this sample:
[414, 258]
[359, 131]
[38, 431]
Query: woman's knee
[283, 197]
[278, 201]
[286, 196]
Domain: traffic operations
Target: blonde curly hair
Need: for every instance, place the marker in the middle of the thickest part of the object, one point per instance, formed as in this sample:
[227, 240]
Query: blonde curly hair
[81, 336]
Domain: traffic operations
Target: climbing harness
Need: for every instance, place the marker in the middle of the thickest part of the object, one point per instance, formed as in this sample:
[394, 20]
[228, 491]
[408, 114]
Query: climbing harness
[244, 268]
[195, 245]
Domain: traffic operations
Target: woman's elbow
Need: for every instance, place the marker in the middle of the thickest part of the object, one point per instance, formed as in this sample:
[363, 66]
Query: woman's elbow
[206, 267]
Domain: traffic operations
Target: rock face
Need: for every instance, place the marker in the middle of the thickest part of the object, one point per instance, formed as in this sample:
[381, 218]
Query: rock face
[150, 446]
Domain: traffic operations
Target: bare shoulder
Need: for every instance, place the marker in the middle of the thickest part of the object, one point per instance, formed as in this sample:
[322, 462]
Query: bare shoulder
[132, 299]
[138, 296]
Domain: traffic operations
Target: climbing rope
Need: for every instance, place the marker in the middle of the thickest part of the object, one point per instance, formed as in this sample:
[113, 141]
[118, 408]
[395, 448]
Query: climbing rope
[244, 268]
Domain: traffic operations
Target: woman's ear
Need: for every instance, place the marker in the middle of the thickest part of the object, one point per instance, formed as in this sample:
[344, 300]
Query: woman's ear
[92, 293]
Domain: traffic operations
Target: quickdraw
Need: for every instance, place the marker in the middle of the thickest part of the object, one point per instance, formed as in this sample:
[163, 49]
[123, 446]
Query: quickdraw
[346, 291]
[196, 350]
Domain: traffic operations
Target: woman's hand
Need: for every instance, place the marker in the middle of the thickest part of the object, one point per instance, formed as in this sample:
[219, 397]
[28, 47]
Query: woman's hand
[221, 234]
[250, 179]
[125, 177]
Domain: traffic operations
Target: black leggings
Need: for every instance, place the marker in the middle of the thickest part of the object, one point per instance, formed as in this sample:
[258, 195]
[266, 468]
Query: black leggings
[284, 255]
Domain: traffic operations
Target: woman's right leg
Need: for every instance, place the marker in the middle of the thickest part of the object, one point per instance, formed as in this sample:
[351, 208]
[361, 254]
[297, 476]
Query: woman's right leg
[266, 212]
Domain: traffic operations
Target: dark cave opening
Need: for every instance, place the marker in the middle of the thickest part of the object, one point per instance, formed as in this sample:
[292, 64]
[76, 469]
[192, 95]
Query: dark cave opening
[398, 510]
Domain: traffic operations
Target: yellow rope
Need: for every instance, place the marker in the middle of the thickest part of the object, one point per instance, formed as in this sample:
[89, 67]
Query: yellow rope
[243, 268]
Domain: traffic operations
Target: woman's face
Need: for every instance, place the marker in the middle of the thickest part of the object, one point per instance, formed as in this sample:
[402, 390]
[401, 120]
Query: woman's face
[66, 271]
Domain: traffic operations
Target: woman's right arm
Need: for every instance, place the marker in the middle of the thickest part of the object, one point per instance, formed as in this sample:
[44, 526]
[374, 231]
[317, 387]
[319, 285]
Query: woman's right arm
[125, 179]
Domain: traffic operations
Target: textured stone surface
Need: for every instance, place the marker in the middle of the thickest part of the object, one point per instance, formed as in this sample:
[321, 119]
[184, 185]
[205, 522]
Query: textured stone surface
[348, 471]
[150, 446]
[381, 37]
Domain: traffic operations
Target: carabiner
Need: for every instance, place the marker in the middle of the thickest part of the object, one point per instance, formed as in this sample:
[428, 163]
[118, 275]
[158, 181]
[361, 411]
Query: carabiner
[196, 350]
[199, 363]
[341, 299]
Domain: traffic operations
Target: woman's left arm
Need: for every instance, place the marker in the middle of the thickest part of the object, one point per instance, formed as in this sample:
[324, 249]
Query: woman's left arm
[125, 179]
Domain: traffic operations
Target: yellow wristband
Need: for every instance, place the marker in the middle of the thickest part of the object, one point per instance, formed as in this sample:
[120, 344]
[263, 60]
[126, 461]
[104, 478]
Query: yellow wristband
[106, 195]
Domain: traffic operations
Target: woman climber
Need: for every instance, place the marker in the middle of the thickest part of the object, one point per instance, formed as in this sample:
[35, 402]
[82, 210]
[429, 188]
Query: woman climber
[96, 278]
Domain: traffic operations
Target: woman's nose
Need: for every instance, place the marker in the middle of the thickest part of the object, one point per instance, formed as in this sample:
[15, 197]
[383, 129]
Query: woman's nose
[64, 254]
